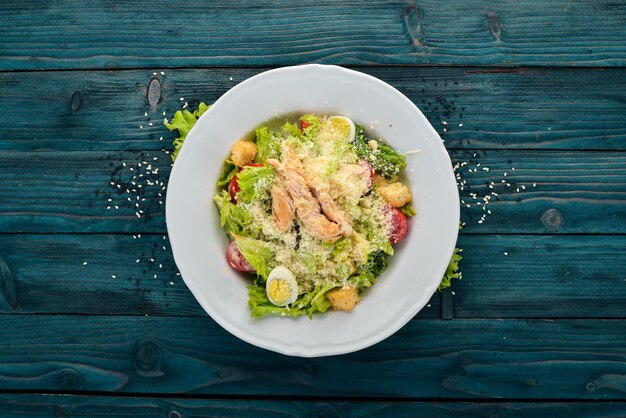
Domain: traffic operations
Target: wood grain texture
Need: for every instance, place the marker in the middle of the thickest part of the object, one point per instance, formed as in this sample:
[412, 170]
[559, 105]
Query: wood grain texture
[521, 108]
[509, 276]
[228, 33]
[70, 191]
[568, 277]
[563, 359]
[36, 405]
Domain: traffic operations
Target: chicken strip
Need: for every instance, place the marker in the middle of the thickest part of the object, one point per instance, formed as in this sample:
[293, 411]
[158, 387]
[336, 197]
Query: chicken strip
[282, 207]
[307, 208]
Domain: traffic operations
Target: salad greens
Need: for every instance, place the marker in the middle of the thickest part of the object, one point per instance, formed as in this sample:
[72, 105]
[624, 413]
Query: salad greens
[237, 221]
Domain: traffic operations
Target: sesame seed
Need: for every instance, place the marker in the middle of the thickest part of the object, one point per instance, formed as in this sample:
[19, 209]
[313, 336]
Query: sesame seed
[162, 73]
[155, 276]
[138, 235]
[453, 294]
[523, 187]
[117, 207]
[137, 261]
[534, 184]
[152, 260]
[230, 78]
[460, 124]
[146, 114]
[513, 168]
[172, 283]
[164, 249]
[505, 253]
[138, 215]
[160, 266]
[150, 124]
[113, 276]
[84, 263]
[182, 99]
[140, 126]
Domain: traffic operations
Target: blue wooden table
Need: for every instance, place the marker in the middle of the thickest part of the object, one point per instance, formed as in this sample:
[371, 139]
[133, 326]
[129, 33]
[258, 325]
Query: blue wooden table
[530, 98]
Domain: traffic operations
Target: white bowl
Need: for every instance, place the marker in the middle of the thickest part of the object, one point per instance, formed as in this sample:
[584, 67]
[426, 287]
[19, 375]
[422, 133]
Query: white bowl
[199, 244]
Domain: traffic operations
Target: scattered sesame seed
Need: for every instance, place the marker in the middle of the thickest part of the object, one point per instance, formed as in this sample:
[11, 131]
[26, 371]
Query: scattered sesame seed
[140, 126]
[534, 184]
[113, 276]
[154, 73]
[164, 249]
[162, 73]
[84, 263]
[117, 207]
[182, 99]
[513, 168]
[160, 266]
[230, 78]
[138, 235]
[460, 124]
[453, 294]
[505, 253]
[155, 276]
[137, 261]
[172, 283]
[150, 124]
[146, 114]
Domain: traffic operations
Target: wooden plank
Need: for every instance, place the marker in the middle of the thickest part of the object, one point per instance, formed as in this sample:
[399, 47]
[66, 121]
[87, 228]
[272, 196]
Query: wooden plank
[533, 32]
[563, 359]
[35, 405]
[541, 276]
[568, 277]
[522, 108]
[70, 191]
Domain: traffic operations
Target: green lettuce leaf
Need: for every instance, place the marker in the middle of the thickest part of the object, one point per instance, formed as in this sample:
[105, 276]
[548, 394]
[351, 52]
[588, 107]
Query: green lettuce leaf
[183, 121]
[268, 144]
[452, 272]
[233, 218]
[261, 306]
[291, 129]
[408, 210]
[254, 182]
[228, 172]
[257, 253]
[384, 160]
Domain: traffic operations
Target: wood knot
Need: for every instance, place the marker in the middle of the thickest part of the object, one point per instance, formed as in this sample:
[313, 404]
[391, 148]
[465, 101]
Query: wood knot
[8, 285]
[69, 380]
[155, 90]
[76, 100]
[147, 359]
[412, 22]
[591, 386]
[552, 219]
[495, 27]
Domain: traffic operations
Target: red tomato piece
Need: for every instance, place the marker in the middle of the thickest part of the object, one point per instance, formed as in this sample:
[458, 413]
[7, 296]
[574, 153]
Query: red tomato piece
[236, 260]
[303, 125]
[399, 225]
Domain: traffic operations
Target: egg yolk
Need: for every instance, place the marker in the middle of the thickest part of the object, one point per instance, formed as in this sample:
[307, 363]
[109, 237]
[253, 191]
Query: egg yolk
[279, 290]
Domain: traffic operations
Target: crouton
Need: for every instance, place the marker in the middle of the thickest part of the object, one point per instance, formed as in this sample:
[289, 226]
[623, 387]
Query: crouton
[343, 298]
[243, 153]
[397, 194]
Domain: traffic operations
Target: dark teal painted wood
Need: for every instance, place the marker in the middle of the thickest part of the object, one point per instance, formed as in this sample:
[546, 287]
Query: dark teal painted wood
[228, 33]
[35, 405]
[557, 359]
[69, 191]
[522, 108]
[542, 276]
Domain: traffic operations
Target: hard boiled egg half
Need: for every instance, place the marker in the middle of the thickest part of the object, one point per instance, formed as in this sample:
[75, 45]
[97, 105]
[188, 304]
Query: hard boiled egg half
[342, 127]
[281, 286]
